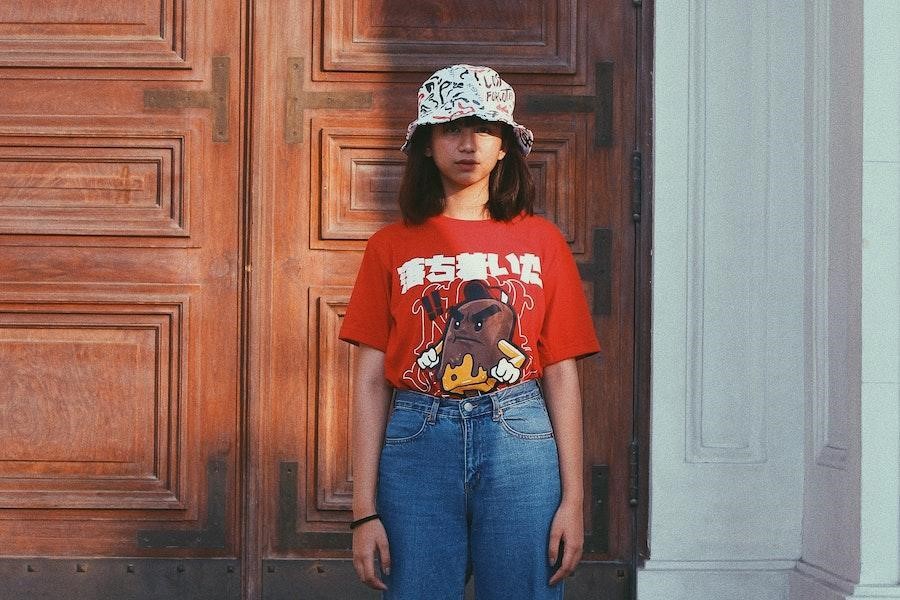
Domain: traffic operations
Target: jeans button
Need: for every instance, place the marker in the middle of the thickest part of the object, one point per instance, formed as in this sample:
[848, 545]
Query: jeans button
[467, 406]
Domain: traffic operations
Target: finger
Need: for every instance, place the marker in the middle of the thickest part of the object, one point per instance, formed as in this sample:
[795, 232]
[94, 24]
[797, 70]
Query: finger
[364, 565]
[368, 568]
[372, 580]
[384, 554]
[376, 583]
[553, 548]
[570, 558]
[359, 567]
[365, 569]
[557, 577]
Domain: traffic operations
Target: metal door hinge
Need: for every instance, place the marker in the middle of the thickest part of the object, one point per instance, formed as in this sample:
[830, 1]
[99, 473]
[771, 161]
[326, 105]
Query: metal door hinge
[300, 99]
[214, 99]
[633, 468]
[637, 181]
[215, 532]
[599, 271]
[597, 539]
[289, 533]
[601, 104]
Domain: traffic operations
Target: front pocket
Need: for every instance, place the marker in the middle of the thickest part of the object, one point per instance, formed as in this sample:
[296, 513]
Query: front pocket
[527, 420]
[404, 425]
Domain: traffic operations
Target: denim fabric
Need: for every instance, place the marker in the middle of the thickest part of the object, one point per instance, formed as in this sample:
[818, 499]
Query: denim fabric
[469, 487]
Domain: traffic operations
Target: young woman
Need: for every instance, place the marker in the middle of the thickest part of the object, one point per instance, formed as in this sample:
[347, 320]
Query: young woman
[469, 315]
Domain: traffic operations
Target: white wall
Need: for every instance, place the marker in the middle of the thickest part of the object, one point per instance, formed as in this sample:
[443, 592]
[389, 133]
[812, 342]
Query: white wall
[880, 469]
[728, 291]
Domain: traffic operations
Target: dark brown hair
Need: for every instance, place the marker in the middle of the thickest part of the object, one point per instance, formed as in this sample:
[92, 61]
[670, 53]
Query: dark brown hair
[510, 188]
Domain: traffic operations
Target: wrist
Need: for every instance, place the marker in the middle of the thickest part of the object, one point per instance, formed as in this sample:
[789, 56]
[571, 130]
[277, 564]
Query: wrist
[363, 510]
[364, 520]
[573, 499]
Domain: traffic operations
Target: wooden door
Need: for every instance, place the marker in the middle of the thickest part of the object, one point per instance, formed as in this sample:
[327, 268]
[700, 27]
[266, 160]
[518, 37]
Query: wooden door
[120, 273]
[176, 401]
[335, 85]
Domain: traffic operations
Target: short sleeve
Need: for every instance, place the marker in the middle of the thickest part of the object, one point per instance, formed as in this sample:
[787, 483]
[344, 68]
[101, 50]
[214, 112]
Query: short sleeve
[367, 320]
[568, 329]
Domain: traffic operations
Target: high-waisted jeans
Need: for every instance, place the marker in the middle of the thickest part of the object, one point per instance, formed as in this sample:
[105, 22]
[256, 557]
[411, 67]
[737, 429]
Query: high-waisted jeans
[469, 487]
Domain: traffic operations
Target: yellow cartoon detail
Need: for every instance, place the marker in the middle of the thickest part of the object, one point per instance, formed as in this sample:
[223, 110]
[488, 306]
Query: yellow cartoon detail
[459, 379]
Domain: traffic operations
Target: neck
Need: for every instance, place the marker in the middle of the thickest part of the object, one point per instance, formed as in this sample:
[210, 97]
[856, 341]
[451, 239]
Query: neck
[468, 204]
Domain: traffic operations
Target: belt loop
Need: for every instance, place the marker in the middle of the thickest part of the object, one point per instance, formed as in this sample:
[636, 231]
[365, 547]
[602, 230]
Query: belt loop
[495, 406]
[432, 412]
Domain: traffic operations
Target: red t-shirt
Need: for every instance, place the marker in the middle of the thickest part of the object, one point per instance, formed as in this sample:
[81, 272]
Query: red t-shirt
[460, 306]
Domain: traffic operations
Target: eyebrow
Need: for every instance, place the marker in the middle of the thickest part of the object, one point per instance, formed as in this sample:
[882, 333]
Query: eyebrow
[484, 313]
[456, 314]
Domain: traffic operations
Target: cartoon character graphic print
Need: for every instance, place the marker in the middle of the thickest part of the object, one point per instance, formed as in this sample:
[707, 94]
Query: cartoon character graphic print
[470, 307]
[476, 352]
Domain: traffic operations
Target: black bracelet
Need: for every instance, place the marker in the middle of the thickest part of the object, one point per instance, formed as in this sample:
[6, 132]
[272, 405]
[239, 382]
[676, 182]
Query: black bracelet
[359, 522]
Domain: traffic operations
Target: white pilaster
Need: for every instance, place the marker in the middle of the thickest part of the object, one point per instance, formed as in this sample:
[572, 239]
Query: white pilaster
[851, 532]
[727, 389]
[830, 561]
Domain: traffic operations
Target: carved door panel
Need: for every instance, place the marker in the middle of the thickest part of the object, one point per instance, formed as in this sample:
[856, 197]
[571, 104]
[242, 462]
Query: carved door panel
[120, 215]
[335, 86]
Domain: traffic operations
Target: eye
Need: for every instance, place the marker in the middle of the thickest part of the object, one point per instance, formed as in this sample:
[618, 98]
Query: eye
[450, 128]
[456, 324]
[479, 325]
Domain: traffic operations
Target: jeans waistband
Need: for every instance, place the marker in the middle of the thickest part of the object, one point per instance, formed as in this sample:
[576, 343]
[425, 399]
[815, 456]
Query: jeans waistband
[471, 406]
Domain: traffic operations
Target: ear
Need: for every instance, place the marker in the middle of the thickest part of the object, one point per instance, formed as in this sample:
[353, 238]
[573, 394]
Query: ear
[501, 155]
[427, 151]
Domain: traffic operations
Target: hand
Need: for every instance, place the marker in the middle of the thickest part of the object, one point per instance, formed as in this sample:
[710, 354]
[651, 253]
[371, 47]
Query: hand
[505, 371]
[568, 528]
[428, 359]
[369, 539]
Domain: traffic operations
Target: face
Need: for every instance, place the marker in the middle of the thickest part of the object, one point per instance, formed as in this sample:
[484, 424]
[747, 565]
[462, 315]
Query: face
[465, 152]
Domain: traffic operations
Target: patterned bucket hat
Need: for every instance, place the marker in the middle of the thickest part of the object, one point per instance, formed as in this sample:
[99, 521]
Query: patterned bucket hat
[467, 91]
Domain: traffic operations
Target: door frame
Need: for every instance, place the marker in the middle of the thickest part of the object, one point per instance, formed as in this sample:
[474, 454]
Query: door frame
[643, 282]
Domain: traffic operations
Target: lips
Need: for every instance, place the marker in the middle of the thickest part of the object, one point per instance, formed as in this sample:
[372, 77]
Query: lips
[467, 161]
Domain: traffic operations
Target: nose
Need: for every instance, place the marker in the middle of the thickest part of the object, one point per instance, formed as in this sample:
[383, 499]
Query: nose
[467, 139]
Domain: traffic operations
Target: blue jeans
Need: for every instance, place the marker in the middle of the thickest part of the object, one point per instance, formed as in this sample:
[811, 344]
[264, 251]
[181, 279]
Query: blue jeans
[469, 487]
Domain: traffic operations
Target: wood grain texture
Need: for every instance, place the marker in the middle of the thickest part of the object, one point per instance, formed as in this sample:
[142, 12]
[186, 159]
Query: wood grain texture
[120, 267]
[331, 372]
[360, 176]
[92, 397]
[87, 185]
[389, 35]
[93, 33]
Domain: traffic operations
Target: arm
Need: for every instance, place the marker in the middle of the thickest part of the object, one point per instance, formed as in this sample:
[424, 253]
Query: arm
[563, 397]
[371, 401]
